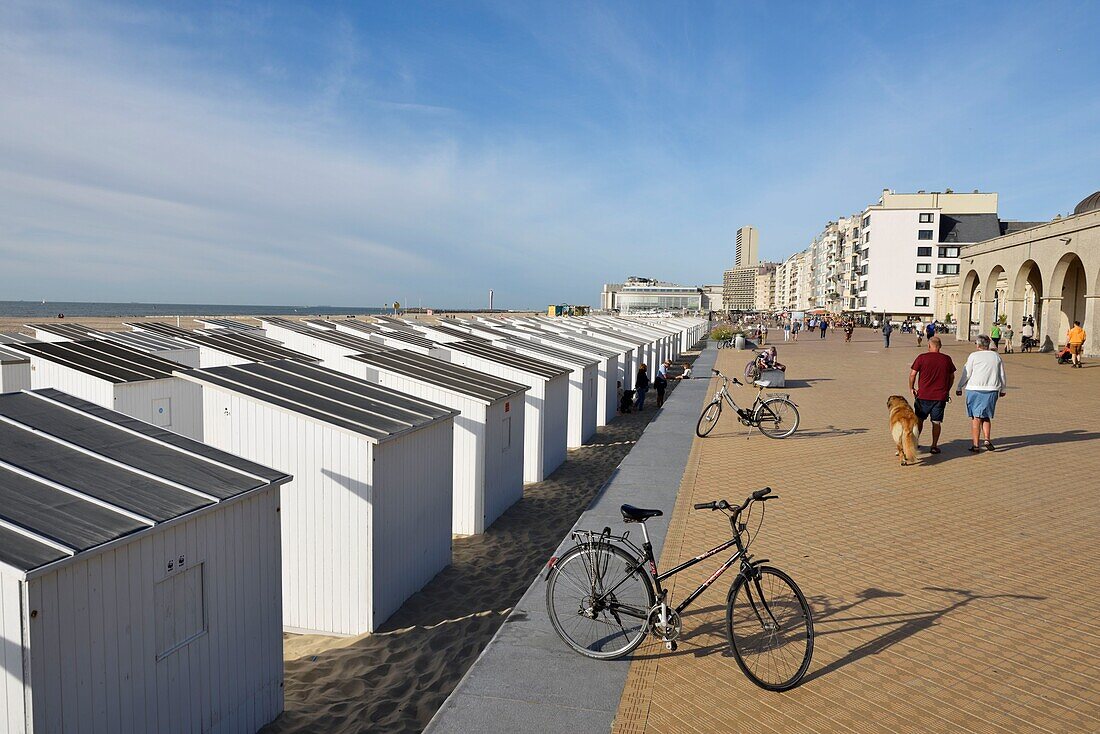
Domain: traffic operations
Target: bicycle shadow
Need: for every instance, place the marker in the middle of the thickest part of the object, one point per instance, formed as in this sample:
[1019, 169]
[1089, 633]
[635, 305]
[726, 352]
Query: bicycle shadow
[903, 625]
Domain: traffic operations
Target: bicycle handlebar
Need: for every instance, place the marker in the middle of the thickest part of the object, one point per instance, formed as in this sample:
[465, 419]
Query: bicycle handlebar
[734, 380]
[760, 495]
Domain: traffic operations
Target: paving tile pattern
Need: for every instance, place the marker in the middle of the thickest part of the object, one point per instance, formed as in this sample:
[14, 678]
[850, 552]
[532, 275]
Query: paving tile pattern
[957, 595]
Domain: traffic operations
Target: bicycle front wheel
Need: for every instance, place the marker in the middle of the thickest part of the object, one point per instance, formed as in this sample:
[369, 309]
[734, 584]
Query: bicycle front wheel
[777, 418]
[708, 419]
[769, 628]
[599, 598]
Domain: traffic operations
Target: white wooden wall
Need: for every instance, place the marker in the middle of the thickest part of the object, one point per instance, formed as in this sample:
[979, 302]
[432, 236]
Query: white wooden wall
[214, 358]
[411, 501]
[15, 377]
[12, 711]
[94, 665]
[327, 564]
[541, 452]
[470, 447]
[136, 399]
[185, 357]
[503, 457]
[45, 373]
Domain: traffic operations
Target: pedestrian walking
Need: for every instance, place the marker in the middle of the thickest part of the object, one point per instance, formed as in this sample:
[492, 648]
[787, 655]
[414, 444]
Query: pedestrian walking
[1076, 341]
[795, 326]
[930, 380]
[995, 336]
[983, 378]
[786, 331]
[824, 326]
[887, 330]
[763, 334]
[641, 387]
[930, 330]
[1027, 335]
[1007, 336]
[920, 333]
[849, 327]
[660, 381]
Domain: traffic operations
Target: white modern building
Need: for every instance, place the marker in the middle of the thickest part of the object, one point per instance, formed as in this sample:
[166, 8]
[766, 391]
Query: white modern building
[646, 295]
[139, 577]
[367, 520]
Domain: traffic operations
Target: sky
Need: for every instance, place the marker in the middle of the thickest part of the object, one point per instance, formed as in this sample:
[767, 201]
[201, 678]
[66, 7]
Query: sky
[364, 153]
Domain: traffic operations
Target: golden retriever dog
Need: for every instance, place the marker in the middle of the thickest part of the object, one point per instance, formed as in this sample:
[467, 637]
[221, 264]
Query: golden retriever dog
[904, 428]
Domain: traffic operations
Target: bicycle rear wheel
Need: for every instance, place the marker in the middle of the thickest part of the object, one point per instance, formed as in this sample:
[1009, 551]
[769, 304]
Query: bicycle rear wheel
[777, 418]
[599, 599]
[770, 628]
[708, 419]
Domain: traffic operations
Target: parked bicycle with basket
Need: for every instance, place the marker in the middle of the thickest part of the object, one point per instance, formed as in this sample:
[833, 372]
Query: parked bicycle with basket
[604, 595]
[775, 414]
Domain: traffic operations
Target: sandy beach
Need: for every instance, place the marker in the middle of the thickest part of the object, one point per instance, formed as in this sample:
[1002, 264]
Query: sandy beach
[396, 679]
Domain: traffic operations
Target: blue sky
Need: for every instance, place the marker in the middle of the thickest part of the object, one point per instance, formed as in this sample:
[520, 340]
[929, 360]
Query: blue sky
[360, 153]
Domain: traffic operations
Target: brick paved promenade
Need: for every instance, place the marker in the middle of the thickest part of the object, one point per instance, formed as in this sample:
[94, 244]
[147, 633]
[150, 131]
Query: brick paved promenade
[961, 594]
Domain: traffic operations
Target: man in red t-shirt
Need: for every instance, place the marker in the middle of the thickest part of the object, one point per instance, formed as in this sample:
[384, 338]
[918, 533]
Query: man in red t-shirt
[936, 373]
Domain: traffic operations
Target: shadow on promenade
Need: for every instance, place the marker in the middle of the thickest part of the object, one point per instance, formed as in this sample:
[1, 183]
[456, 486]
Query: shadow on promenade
[958, 447]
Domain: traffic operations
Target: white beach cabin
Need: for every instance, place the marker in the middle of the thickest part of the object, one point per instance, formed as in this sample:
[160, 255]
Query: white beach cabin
[367, 519]
[131, 382]
[546, 407]
[139, 577]
[332, 347]
[583, 394]
[227, 347]
[158, 345]
[15, 371]
[488, 435]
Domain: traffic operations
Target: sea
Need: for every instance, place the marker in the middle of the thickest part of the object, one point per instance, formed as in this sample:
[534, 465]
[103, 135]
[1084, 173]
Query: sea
[50, 309]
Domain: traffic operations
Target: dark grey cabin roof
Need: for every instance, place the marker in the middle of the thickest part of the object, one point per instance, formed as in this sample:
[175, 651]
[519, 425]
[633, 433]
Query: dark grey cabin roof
[146, 341]
[492, 353]
[407, 337]
[74, 476]
[451, 330]
[964, 228]
[587, 347]
[445, 375]
[12, 337]
[362, 326]
[9, 356]
[392, 322]
[629, 338]
[354, 344]
[228, 324]
[376, 412]
[549, 352]
[75, 332]
[240, 343]
[102, 359]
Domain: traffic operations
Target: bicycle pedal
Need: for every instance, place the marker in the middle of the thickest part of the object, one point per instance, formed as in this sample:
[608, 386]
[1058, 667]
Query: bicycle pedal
[671, 645]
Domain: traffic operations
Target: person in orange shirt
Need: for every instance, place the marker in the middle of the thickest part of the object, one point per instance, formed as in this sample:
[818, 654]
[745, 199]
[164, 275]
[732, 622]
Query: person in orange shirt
[1075, 339]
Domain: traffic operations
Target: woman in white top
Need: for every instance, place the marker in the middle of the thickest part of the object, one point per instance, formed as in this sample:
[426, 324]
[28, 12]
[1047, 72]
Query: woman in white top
[983, 377]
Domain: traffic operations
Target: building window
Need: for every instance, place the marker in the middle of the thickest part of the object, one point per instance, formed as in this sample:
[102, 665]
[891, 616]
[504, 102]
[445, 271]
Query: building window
[949, 252]
[863, 303]
[926, 218]
[863, 270]
[924, 252]
[947, 269]
[924, 234]
[924, 267]
[920, 301]
[866, 237]
[923, 285]
[867, 221]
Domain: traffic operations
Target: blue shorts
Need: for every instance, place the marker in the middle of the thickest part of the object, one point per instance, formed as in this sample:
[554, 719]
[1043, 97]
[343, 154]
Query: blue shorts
[930, 409]
[981, 403]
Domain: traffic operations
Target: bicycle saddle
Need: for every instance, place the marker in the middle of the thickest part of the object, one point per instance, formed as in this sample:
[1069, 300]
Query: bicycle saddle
[637, 514]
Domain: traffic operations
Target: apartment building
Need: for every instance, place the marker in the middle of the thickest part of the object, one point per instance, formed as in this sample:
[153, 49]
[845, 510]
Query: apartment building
[765, 287]
[907, 240]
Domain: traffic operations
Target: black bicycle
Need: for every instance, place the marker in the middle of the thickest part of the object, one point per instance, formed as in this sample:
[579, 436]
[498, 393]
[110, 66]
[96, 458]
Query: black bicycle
[604, 595]
[775, 414]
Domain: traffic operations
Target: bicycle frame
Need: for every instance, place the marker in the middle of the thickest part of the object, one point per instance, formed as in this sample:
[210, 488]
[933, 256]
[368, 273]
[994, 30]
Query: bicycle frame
[724, 392]
[657, 578]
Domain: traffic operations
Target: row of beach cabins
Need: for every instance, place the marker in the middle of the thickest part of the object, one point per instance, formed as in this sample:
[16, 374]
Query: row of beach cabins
[173, 500]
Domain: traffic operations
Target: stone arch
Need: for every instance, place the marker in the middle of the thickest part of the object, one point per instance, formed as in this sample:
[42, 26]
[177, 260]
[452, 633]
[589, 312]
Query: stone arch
[994, 302]
[1026, 296]
[1065, 302]
[967, 309]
